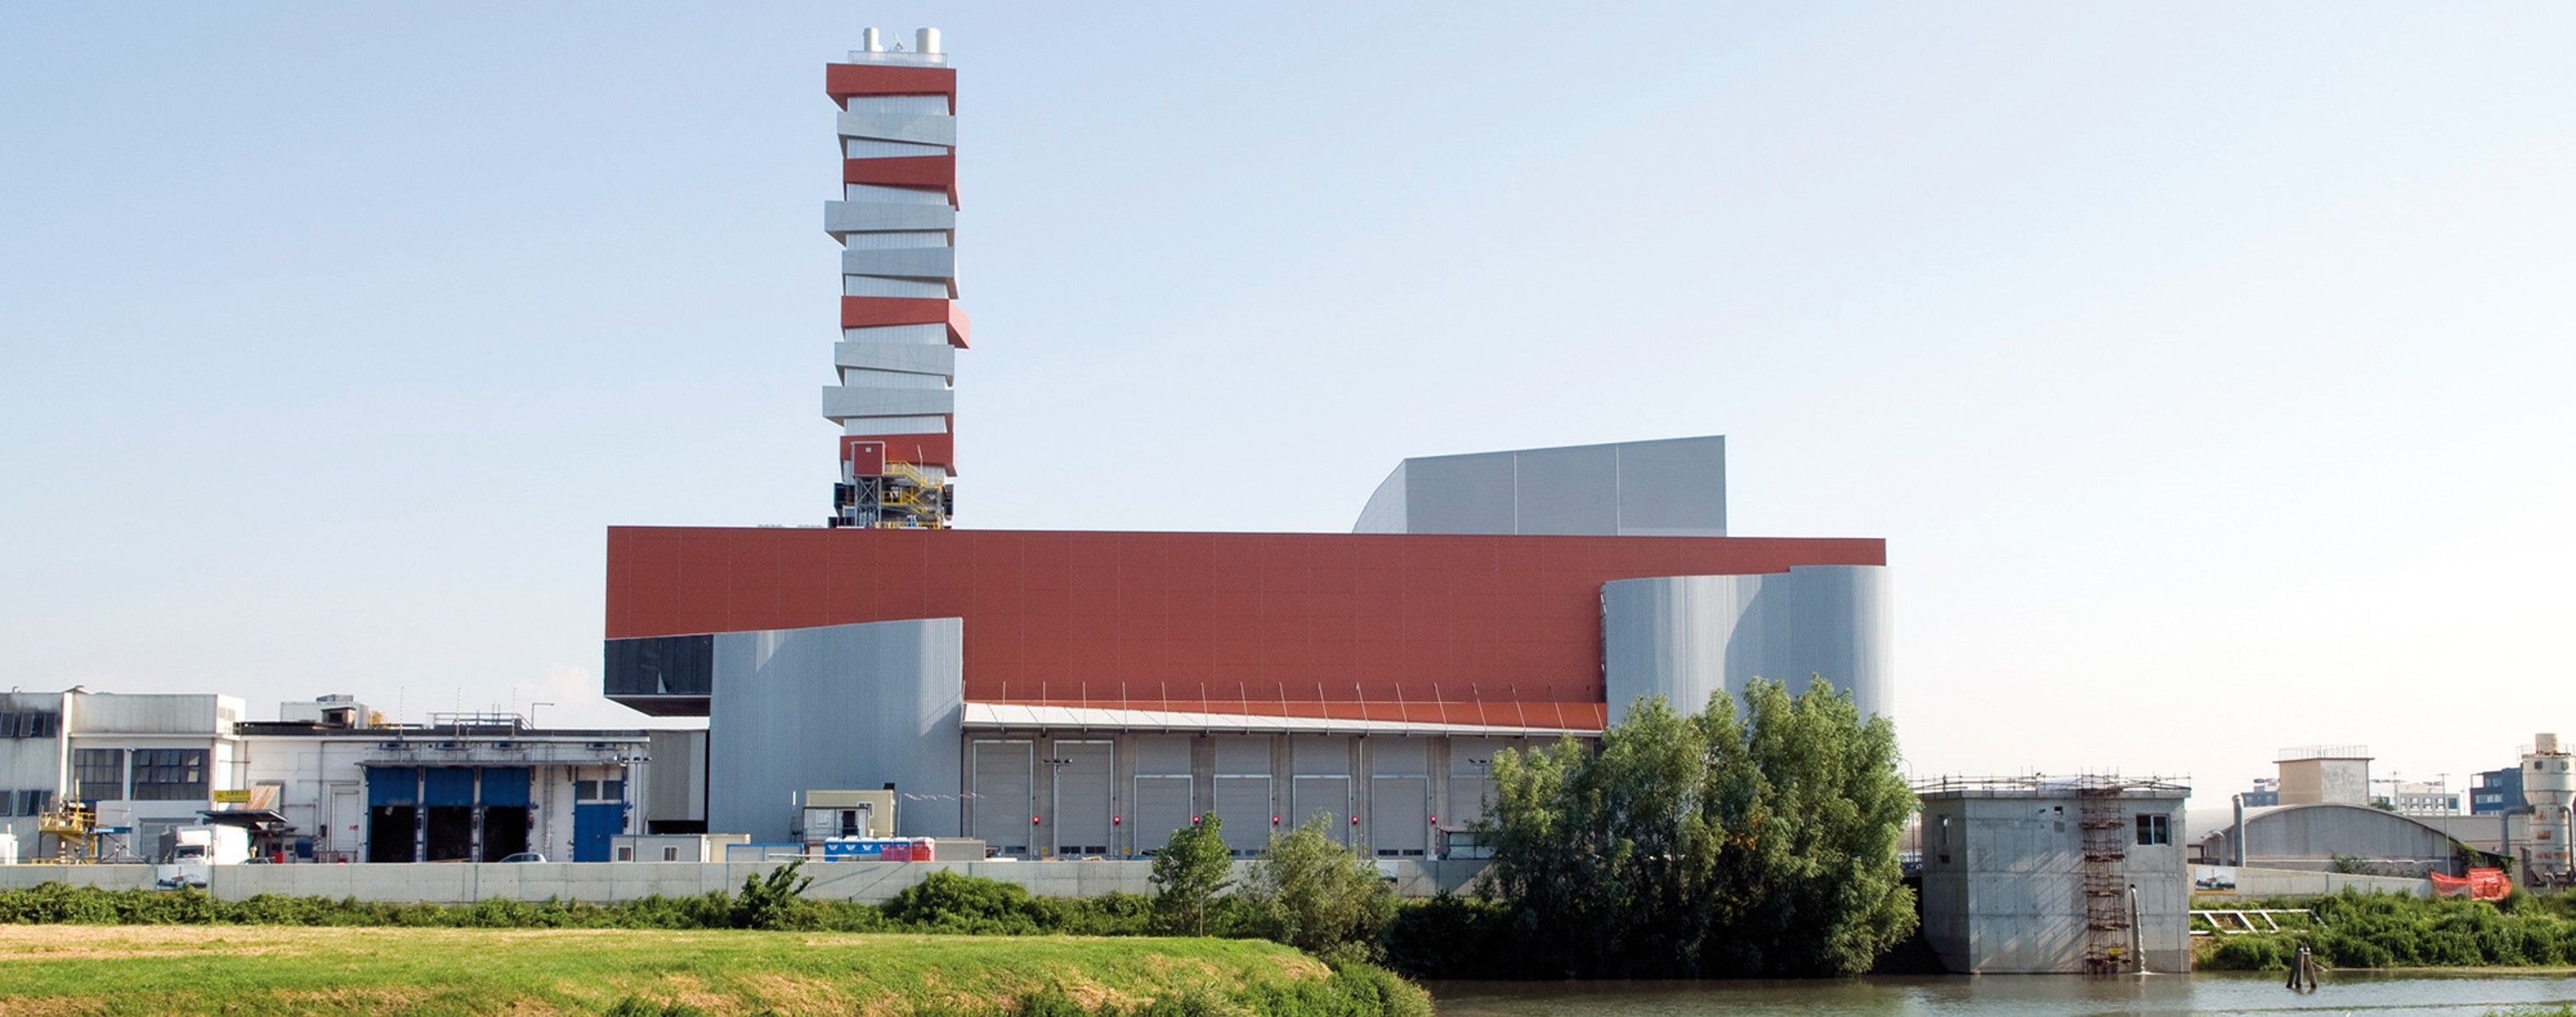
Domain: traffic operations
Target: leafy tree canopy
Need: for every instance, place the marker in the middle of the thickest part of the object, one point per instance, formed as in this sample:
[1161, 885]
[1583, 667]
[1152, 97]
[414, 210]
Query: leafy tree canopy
[1707, 846]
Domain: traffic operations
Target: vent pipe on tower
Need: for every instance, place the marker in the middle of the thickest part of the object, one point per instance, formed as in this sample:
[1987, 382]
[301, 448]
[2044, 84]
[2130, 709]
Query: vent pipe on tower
[924, 41]
[871, 42]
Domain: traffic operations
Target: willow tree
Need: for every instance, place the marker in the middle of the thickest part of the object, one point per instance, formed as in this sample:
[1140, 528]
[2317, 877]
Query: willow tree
[1706, 845]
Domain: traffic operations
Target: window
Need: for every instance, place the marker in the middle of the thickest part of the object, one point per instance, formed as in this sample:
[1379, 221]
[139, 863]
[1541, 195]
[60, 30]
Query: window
[169, 775]
[99, 774]
[585, 790]
[625, 854]
[2155, 829]
[670, 854]
[35, 803]
[30, 724]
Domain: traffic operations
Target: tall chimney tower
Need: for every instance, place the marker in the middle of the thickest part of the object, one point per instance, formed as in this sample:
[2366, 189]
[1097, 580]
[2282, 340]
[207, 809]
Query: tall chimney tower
[896, 221]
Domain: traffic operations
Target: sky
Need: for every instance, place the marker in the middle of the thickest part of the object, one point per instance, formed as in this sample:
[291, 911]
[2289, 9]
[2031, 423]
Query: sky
[2206, 366]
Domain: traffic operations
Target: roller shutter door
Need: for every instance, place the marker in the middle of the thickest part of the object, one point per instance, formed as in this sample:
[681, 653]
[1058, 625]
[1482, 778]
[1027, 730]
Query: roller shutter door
[1082, 800]
[1004, 799]
[1399, 823]
[1244, 804]
[1329, 797]
[1162, 806]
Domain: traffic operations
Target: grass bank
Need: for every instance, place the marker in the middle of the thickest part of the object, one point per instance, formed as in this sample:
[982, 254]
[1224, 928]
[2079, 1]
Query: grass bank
[261, 970]
[2379, 930]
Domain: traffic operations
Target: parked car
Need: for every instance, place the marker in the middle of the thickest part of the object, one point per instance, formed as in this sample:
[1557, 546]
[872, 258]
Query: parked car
[524, 856]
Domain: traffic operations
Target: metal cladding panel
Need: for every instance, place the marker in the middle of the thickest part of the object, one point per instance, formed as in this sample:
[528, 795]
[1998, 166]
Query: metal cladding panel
[1500, 630]
[901, 262]
[1385, 511]
[918, 449]
[1567, 490]
[1667, 488]
[1399, 757]
[866, 312]
[915, 128]
[1164, 756]
[1327, 797]
[448, 785]
[855, 401]
[918, 172]
[393, 785]
[1688, 637]
[1675, 487]
[1463, 494]
[885, 217]
[867, 458]
[842, 81]
[842, 706]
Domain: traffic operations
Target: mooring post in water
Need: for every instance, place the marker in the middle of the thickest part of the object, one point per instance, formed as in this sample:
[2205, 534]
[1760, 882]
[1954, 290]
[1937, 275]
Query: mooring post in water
[2303, 968]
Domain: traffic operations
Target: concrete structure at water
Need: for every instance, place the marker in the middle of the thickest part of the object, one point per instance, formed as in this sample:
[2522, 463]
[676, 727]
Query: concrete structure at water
[2041, 875]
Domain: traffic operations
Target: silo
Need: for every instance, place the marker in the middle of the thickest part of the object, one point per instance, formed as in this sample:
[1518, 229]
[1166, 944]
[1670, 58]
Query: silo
[2548, 786]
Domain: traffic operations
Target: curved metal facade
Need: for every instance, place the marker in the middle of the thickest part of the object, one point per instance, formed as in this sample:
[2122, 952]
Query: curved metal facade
[1687, 637]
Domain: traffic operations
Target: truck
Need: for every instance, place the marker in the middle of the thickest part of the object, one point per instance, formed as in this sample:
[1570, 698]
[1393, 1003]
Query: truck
[188, 853]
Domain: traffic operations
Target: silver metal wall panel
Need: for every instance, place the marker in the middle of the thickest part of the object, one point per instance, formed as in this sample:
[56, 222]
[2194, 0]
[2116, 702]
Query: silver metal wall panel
[1243, 755]
[921, 262]
[1399, 824]
[880, 286]
[840, 706]
[1674, 487]
[1385, 512]
[869, 377]
[1323, 756]
[1398, 757]
[894, 241]
[1003, 795]
[905, 105]
[846, 401]
[898, 334]
[1688, 637]
[1084, 801]
[893, 195]
[919, 128]
[910, 358]
[894, 425]
[862, 148]
[841, 217]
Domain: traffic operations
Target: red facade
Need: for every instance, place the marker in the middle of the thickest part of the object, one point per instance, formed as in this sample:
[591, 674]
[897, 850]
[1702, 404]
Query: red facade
[1456, 629]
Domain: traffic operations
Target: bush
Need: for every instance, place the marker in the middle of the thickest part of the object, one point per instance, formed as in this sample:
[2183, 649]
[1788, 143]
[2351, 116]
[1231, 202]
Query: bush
[1310, 892]
[1191, 870]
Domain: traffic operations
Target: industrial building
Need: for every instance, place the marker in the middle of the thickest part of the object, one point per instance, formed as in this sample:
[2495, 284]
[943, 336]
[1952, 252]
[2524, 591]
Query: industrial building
[1078, 694]
[330, 780]
[2038, 875]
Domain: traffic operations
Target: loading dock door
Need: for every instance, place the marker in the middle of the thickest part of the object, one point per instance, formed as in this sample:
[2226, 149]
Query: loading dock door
[393, 814]
[593, 823]
[1244, 803]
[1329, 797]
[1082, 798]
[1005, 795]
[1399, 816]
[1162, 806]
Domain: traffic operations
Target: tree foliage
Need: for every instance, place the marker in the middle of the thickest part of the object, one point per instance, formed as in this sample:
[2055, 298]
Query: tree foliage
[1707, 845]
[1193, 867]
[1310, 892]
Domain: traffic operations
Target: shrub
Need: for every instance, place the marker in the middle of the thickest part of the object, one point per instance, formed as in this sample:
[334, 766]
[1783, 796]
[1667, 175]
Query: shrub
[1191, 870]
[1312, 893]
[776, 901]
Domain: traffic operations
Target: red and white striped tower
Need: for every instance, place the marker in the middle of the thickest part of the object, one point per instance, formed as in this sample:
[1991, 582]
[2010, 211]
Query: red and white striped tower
[896, 221]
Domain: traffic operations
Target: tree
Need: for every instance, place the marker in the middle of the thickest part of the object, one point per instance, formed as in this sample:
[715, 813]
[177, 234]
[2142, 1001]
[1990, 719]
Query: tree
[1192, 869]
[1312, 893]
[1692, 846]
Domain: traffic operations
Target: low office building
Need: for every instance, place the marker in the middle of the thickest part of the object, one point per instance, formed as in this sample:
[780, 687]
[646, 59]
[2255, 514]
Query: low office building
[331, 781]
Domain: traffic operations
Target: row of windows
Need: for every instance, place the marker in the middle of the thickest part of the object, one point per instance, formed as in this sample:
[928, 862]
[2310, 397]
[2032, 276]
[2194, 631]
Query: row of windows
[30, 724]
[26, 803]
[160, 775]
[598, 790]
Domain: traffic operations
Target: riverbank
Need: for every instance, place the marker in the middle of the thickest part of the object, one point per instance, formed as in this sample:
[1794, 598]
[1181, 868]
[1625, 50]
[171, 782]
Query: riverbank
[263, 970]
[2379, 931]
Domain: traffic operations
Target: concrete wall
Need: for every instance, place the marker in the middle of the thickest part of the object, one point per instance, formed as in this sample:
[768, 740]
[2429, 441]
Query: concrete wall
[2254, 884]
[457, 883]
[1686, 637]
[836, 706]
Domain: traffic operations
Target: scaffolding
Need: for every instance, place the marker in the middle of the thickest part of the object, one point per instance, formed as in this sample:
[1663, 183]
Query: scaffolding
[2104, 821]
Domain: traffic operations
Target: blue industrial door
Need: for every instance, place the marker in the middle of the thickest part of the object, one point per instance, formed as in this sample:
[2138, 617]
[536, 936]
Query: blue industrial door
[592, 824]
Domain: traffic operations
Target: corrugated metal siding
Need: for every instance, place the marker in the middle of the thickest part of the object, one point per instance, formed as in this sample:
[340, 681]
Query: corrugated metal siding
[1004, 795]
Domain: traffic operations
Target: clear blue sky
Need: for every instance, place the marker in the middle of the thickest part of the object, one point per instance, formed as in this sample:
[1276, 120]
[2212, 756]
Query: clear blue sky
[2207, 366]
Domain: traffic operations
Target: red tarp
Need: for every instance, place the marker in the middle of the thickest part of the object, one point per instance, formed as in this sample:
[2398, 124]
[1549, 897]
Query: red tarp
[2482, 884]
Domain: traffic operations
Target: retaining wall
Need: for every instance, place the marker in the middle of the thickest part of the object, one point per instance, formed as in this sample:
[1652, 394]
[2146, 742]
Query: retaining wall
[609, 882]
[2254, 883]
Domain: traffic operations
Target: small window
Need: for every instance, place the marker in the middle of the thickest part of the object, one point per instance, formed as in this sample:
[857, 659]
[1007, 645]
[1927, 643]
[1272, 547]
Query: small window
[612, 790]
[2155, 829]
[670, 854]
[625, 854]
[585, 790]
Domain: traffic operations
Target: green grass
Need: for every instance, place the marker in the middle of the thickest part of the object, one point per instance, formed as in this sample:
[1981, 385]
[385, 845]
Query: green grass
[258, 970]
[2376, 930]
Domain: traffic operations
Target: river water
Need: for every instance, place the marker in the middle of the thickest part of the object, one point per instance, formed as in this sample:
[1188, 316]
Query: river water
[2009, 996]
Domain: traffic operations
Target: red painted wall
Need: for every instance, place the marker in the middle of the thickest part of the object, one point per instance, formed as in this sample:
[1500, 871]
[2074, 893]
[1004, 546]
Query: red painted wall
[1466, 629]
